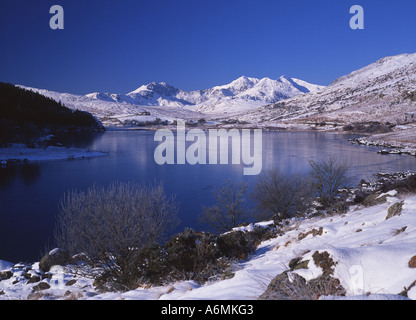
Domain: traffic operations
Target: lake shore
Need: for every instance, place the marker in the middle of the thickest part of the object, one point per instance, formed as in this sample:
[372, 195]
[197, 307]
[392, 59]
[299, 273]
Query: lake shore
[17, 153]
[402, 136]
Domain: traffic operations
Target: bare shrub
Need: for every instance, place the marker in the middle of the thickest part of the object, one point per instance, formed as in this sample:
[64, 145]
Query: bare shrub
[404, 186]
[110, 225]
[281, 195]
[328, 177]
[230, 209]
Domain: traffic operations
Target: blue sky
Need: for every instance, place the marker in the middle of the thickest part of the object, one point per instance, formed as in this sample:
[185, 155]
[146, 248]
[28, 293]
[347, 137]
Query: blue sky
[116, 46]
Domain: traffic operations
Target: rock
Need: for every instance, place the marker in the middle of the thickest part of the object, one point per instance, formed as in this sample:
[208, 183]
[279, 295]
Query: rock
[4, 275]
[283, 287]
[412, 262]
[34, 279]
[47, 275]
[383, 152]
[359, 195]
[41, 286]
[324, 261]
[375, 199]
[291, 286]
[71, 282]
[55, 257]
[298, 263]
[80, 258]
[394, 210]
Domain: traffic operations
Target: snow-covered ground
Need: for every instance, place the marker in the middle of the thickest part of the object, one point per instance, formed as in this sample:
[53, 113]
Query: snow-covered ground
[19, 152]
[374, 258]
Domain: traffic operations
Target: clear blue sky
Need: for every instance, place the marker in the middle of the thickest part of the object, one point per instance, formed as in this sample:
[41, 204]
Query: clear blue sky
[116, 46]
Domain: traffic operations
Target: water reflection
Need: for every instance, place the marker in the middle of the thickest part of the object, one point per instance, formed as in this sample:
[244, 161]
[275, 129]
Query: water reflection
[30, 193]
[27, 173]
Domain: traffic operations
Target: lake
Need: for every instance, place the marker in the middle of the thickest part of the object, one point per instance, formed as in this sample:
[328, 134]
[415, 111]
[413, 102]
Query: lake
[30, 193]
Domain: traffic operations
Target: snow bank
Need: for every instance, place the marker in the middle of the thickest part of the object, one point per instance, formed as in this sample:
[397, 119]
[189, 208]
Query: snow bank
[20, 152]
[5, 265]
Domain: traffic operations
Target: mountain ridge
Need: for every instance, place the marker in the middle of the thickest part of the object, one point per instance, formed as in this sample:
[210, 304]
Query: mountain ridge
[381, 91]
[160, 100]
[245, 88]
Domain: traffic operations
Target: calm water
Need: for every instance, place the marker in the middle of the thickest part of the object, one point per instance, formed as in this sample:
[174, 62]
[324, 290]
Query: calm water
[29, 194]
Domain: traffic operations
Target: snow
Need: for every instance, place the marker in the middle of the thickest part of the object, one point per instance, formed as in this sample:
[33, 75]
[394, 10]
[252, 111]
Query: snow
[371, 261]
[53, 251]
[166, 102]
[4, 265]
[19, 152]
[377, 92]
[366, 297]
[381, 91]
[252, 226]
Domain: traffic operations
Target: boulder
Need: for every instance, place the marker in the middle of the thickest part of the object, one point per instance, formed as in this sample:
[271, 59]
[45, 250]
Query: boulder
[374, 199]
[412, 262]
[55, 257]
[394, 210]
[41, 286]
[4, 275]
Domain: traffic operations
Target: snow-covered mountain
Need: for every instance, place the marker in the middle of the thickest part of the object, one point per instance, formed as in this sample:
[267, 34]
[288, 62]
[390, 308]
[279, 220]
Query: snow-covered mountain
[382, 91]
[245, 92]
[240, 95]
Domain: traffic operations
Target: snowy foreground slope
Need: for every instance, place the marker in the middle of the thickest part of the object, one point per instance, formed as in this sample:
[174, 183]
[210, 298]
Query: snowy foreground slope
[373, 258]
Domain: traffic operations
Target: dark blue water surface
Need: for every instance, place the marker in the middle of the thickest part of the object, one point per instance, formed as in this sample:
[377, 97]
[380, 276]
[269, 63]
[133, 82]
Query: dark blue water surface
[30, 193]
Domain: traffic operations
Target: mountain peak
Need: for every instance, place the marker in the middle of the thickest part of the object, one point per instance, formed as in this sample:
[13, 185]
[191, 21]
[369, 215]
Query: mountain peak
[244, 79]
[243, 92]
[162, 88]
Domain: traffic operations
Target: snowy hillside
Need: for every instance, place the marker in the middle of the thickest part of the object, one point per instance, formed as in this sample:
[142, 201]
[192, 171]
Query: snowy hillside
[114, 110]
[160, 100]
[382, 91]
[370, 251]
[244, 89]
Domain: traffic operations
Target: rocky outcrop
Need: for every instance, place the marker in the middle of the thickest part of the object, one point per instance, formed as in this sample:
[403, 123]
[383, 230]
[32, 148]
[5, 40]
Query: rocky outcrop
[55, 257]
[395, 210]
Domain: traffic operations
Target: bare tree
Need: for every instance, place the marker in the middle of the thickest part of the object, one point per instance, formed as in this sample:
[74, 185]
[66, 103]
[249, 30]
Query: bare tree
[328, 177]
[281, 195]
[230, 208]
[111, 224]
